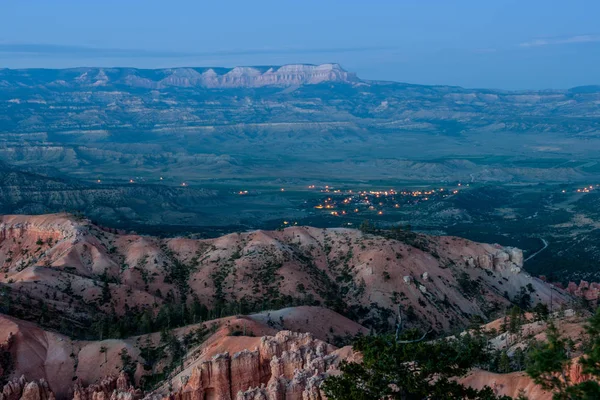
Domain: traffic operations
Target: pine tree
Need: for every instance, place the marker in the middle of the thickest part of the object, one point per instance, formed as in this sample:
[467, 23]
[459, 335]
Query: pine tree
[548, 364]
[514, 325]
[5, 304]
[541, 312]
[106, 294]
[410, 369]
[504, 363]
[104, 351]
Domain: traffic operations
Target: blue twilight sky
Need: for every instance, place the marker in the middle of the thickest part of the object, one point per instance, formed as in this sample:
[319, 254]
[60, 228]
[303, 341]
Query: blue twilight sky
[474, 43]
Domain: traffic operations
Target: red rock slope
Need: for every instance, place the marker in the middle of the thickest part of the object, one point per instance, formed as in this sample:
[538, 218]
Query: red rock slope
[439, 281]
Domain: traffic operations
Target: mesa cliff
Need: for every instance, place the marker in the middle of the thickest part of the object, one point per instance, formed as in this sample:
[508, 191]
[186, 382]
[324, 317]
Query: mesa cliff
[213, 78]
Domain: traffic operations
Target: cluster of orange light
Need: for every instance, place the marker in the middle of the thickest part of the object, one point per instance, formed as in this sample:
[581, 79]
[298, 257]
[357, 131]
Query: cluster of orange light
[377, 194]
[335, 213]
[381, 193]
[243, 192]
[585, 189]
[326, 206]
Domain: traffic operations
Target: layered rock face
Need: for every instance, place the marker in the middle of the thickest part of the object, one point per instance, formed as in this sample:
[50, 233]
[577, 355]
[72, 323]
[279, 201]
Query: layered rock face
[287, 366]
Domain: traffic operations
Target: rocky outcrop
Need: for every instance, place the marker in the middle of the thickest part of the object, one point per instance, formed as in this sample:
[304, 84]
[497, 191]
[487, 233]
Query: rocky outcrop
[21, 389]
[110, 388]
[287, 366]
[590, 291]
[506, 258]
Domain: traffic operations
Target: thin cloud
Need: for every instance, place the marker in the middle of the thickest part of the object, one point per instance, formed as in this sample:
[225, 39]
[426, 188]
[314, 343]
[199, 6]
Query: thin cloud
[563, 40]
[54, 50]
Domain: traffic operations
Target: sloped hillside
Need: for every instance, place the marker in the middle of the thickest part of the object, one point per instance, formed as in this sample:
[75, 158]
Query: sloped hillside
[59, 270]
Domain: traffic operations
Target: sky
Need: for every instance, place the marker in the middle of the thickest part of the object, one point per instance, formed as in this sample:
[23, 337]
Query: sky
[505, 44]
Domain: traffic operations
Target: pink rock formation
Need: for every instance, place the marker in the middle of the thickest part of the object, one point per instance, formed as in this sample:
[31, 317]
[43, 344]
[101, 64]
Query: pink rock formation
[287, 366]
[111, 387]
[586, 290]
[21, 389]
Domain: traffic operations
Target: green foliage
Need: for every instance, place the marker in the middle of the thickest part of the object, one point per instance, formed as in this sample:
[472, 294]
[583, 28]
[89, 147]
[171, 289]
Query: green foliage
[177, 272]
[468, 287]
[5, 300]
[128, 364]
[541, 312]
[515, 320]
[523, 299]
[416, 370]
[591, 363]
[106, 294]
[170, 348]
[104, 350]
[504, 363]
[367, 227]
[549, 364]
[6, 362]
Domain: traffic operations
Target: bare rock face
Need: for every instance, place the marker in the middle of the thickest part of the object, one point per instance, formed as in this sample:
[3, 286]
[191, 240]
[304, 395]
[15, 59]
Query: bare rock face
[506, 258]
[287, 366]
[21, 389]
[515, 255]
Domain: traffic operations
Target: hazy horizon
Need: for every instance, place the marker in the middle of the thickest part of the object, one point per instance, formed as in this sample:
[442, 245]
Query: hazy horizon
[505, 45]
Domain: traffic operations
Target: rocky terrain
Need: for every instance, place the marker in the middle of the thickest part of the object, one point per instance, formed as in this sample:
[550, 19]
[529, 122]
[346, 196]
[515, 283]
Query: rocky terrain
[94, 313]
[77, 269]
[92, 310]
[512, 384]
[286, 364]
[262, 363]
[588, 291]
